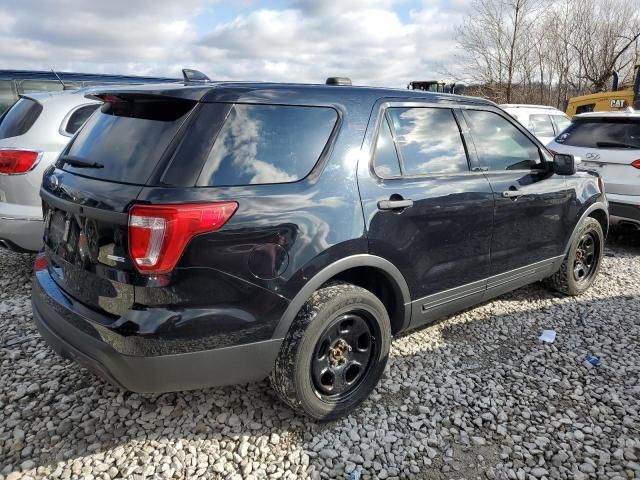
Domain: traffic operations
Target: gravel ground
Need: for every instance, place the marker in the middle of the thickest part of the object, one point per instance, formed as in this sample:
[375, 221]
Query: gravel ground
[475, 396]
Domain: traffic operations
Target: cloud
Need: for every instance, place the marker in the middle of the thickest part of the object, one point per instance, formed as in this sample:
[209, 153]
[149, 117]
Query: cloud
[377, 42]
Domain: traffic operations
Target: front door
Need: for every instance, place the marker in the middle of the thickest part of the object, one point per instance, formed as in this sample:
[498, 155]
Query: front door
[425, 210]
[531, 202]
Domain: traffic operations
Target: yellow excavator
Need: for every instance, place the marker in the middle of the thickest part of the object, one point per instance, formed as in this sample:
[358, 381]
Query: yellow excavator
[613, 101]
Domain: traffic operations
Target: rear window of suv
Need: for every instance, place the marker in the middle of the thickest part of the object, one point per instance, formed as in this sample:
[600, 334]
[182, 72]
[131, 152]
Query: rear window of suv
[128, 137]
[19, 118]
[603, 132]
[261, 144]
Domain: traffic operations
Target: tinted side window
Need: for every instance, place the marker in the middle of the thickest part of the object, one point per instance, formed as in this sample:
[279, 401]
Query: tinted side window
[267, 144]
[20, 118]
[586, 108]
[499, 144]
[429, 140]
[385, 160]
[540, 125]
[78, 117]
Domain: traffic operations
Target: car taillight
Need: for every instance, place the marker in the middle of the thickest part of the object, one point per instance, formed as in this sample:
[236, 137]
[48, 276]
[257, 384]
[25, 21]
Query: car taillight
[40, 263]
[158, 234]
[636, 164]
[17, 161]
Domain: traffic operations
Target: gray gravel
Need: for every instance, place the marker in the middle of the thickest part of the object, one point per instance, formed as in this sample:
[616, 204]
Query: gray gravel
[475, 396]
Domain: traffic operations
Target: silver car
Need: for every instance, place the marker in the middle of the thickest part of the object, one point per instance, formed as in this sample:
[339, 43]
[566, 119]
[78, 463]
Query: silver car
[33, 132]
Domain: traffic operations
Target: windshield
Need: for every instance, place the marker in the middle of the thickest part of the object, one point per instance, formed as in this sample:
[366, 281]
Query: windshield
[604, 132]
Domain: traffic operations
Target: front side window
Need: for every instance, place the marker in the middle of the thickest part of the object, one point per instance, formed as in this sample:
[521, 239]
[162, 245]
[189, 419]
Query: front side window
[385, 160]
[540, 125]
[604, 132]
[261, 144]
[499, 144]
[429, 140]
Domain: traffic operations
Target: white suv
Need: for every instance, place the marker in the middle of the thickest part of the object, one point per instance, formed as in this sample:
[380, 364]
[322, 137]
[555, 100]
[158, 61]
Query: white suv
[609, 143]
[545, 123]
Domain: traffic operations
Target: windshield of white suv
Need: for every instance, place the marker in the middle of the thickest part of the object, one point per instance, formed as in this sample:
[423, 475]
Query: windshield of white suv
[603, 132]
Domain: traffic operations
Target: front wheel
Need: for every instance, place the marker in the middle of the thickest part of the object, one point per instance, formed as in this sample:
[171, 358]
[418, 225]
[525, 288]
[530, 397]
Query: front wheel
[582, 263]
[334, 353]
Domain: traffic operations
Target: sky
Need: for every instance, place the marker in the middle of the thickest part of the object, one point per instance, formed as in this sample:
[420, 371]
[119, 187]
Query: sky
[374, 42]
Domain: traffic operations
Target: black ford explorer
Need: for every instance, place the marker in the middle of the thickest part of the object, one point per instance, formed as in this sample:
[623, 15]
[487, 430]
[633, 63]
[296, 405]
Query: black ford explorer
[201, 235]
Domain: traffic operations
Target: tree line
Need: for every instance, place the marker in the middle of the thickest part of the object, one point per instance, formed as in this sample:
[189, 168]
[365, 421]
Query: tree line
[546, 51]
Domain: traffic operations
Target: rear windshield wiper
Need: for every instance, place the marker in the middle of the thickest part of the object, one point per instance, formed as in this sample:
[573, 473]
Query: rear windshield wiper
[78, 162]
[616, 145]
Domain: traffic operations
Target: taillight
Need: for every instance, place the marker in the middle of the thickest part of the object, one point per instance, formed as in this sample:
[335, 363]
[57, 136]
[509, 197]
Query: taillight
[40, 263]
[158, 234]
[636, 164]
[17, 161]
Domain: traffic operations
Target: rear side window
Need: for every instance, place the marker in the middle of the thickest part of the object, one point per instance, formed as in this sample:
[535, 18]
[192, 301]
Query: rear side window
[20, 118]
[612, 132]
[540, 125]
[261, 144]
[429, 140]
[7, 95]
[385, 160]
[561, 122]
[32, 86]
[499, 144]
[78, 117]
[128, 137]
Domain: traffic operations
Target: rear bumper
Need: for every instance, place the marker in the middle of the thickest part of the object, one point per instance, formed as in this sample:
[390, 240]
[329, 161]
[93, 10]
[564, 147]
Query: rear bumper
[144, 374]
[624, 208]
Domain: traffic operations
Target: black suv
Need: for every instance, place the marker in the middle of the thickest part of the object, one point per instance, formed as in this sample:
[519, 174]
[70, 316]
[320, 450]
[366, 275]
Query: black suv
[201, 235]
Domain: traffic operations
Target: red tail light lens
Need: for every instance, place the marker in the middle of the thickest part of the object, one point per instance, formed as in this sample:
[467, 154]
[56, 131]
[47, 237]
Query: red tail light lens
[40, 263]
[636, 164]
[158, 234]
[17, 161]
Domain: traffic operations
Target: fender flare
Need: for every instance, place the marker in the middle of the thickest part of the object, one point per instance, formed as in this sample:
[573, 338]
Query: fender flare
[592, 208]
[342, 265]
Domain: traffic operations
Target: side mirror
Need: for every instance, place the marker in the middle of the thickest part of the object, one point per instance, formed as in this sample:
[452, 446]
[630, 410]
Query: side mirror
[564, 164]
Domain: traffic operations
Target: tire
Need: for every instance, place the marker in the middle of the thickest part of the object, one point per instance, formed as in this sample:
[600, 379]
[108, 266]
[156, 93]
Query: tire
[312, 348]
[566, 280]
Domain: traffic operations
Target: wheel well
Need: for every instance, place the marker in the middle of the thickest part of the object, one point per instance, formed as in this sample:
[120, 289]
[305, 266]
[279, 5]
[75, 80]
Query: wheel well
[601, 217]
[382, 286]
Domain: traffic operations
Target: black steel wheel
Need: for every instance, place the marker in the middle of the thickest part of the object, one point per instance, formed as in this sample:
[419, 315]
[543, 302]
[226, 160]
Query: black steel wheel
[334, 353]
[581, 265]
[343, 355]
[586, 257]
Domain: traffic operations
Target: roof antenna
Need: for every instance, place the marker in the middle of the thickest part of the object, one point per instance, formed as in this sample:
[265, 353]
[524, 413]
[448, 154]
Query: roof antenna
[59, 79]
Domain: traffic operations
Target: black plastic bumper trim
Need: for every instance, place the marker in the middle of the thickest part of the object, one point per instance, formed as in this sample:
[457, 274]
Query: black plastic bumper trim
[167, 373]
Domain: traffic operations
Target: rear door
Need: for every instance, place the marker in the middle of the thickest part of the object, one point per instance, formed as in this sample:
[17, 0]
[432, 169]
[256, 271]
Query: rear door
[531, 202]
[87, 196]
[426, 210]
[610, 146]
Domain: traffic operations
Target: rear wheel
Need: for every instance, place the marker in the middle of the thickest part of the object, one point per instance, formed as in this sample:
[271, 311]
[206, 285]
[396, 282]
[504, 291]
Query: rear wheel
[582, 263]
[334, 353]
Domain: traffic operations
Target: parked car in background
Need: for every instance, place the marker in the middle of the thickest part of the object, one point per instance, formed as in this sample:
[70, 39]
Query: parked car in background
[14, 83]
[544, 122]
[222, 233]
[609, 143]
[32, 134]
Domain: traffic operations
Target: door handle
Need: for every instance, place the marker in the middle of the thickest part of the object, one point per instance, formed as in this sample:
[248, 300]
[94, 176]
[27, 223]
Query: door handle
[512, 194]
[399, 204]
